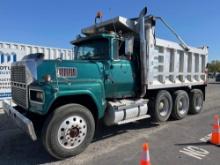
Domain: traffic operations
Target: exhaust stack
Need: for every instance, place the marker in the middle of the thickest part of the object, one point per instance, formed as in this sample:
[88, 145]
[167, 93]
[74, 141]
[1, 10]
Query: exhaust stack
[143, 51]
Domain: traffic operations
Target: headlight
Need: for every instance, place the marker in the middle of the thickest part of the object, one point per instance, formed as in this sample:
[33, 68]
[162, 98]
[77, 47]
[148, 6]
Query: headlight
[39, 95]
[36, 95]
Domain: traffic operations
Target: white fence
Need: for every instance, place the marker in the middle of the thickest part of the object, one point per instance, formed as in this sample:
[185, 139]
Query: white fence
[12, 52]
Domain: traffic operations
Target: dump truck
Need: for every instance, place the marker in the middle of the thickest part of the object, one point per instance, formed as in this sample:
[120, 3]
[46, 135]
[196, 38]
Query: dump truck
[121, 73]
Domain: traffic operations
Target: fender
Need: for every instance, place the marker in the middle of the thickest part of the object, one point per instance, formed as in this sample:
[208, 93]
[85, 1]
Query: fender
[94, 89]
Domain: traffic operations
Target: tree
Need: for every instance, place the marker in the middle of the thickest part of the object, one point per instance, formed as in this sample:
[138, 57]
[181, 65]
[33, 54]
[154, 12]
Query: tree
[214, 66]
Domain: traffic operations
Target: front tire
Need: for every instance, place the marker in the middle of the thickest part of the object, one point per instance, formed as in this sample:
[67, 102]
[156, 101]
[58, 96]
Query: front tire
[162, 106]
[68, 131]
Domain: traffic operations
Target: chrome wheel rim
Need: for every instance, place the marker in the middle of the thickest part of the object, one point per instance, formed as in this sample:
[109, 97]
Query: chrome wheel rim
[198, 102]
[164, 107]
[182, 106]
[72, 132]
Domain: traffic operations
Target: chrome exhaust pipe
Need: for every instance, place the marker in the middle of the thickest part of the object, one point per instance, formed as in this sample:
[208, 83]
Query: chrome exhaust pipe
[143, 52]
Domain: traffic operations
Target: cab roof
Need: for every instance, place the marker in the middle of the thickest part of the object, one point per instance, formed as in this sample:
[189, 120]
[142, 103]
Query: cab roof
[93, 37]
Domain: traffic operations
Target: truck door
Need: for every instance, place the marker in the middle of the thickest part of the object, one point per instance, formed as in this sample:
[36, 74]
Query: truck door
[120, 75]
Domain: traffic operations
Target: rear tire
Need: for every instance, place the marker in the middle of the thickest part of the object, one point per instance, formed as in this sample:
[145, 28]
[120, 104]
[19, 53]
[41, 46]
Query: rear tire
[196, 101]
[161, 106]
[68, 131]
[181, 105]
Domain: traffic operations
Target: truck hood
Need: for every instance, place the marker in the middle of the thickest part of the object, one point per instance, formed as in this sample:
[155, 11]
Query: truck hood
[67, 70]
[60, 70]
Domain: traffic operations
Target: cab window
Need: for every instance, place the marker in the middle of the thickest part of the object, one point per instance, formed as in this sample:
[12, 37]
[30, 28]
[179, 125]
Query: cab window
[119, 49]
[92, 50]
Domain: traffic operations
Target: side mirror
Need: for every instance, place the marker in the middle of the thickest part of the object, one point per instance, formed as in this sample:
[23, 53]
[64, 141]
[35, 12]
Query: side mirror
[129, 44]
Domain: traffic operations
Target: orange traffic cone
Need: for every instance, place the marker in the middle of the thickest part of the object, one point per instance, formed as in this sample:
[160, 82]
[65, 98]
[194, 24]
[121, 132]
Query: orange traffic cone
[215, 138]
[145, 156]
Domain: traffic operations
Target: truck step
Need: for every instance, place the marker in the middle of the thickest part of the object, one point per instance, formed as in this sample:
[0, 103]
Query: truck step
[133, 119]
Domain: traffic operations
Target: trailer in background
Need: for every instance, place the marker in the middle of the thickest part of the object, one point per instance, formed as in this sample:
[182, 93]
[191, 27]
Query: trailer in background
[12, 52]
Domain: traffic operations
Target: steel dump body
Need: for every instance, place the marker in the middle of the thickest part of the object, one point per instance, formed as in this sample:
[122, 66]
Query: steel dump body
[169, 64]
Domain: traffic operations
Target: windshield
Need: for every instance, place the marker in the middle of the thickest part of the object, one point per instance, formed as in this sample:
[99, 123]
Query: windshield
[93, 49]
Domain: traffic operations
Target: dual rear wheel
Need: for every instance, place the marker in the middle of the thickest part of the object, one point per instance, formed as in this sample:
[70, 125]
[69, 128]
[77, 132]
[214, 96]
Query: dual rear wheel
[164, 105]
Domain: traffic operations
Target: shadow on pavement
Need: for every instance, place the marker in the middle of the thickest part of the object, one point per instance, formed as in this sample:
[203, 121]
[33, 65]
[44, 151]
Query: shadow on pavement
[194, 144]
[18, 148]
[214, 83]
[104, 132]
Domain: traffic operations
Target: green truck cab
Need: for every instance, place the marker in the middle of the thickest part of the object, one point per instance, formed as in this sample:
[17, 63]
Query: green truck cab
[121, 73]
[98, 73]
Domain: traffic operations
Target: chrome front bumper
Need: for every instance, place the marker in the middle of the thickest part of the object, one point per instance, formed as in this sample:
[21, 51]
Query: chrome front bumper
[22, 121]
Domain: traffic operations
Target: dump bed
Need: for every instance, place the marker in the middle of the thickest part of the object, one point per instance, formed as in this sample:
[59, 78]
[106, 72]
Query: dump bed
[169, 65]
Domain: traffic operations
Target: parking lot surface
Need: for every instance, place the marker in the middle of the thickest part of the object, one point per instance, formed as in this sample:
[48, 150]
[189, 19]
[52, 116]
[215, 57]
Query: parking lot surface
[173, 142]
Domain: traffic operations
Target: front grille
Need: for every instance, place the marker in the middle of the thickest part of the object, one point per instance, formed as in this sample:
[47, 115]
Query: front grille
[19, 87]
[19, 95]
[18, 74]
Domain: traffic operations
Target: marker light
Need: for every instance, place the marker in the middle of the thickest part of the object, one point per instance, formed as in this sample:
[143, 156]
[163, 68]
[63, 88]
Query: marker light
[47, 78]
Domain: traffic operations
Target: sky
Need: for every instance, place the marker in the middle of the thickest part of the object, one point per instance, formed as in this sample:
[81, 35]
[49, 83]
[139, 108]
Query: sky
[56, 22]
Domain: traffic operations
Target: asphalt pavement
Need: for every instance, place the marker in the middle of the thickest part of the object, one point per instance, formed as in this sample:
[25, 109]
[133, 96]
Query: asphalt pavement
[180, 142]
